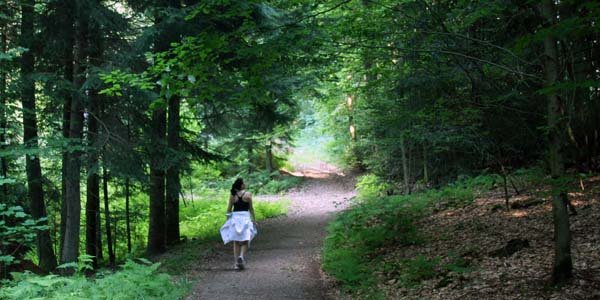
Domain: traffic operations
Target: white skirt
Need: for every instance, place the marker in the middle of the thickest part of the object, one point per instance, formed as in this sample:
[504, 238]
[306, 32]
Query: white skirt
[238, 227]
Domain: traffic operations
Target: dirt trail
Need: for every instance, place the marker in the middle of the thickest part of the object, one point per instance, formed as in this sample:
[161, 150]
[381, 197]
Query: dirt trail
[283, 262]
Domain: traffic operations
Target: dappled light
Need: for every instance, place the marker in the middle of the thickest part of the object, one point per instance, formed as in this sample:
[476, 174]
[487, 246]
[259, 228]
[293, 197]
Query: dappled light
[343, 149]
[519, 214]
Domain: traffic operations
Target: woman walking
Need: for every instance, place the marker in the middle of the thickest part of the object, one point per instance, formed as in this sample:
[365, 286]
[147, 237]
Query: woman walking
[239, 226]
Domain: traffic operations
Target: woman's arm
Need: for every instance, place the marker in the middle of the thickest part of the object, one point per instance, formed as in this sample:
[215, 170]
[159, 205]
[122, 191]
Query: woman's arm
[229, 204]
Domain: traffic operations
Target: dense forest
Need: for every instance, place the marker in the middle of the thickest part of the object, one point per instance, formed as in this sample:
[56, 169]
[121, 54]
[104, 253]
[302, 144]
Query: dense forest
[115, 115]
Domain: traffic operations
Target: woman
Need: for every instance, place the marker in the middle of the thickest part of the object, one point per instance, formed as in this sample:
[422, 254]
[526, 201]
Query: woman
[239, 226]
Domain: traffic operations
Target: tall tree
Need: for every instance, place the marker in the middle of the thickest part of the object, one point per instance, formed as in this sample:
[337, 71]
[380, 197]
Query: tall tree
[92, 204]
[30, 136]
[107, 218]
[70, 251]
[95, 113]
[156, 228]
[157, 235]
[173, 180]
[66, 22]
[563, 265]
[3, 103]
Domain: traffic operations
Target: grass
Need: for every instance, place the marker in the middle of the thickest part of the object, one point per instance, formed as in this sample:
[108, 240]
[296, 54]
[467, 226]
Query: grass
[132, 281]
[378, 223]
[202, 219]
[200, 223]
[360, 238]
[279, 185]
[364, 243]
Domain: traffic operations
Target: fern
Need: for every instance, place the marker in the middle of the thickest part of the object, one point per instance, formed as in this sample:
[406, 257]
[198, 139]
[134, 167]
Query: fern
[133, 281]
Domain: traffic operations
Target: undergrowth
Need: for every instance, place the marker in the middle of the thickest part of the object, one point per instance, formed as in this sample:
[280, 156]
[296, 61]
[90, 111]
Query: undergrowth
[133, 281]
[377, 224]
[202, 219]
[200, 223]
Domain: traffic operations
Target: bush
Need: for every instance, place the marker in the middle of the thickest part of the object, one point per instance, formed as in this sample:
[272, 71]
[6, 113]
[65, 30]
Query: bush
[371, 186]
[413, 271]
[133, 281]
[357, 233]
[279, 185]
[530, 177]
[357, 237]
[17, 233]
[203, 218]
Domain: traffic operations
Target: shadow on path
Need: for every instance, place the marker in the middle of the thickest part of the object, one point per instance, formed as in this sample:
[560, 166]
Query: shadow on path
[284, 259]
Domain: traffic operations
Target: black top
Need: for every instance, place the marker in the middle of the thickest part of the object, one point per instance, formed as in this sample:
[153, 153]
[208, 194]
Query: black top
[241, 205]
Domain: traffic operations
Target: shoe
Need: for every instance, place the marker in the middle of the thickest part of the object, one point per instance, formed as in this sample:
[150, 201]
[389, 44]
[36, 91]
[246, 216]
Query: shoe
[240, 263]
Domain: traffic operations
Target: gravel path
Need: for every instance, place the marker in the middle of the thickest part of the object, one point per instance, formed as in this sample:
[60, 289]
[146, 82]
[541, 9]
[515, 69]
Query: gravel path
[283, 260]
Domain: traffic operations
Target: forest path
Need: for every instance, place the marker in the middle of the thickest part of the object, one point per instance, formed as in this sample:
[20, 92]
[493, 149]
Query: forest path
[284, 259]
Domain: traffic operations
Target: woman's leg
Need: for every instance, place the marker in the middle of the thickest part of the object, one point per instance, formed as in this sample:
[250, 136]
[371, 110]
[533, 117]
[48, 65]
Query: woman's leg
[236, 250]
[243, 248]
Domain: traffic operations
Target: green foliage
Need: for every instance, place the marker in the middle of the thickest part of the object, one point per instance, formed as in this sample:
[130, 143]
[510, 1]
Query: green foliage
[530, 177]
[370, 186]
[417, 93]
[117, 80]
[83, 264]
[132, 281]
[457, 264]
[201, 221]
[413, 271]
[17, 231]
[204, 217]
[358, 236]
[276, 185]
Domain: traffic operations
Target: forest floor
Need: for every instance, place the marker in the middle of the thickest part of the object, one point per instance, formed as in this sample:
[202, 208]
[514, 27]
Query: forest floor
[284, 259]
[479, 233]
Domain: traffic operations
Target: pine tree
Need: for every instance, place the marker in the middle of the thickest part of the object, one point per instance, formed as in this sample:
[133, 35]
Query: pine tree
[30, 136]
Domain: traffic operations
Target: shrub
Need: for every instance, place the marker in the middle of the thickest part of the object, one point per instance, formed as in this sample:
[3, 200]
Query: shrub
[17, 232]
[358, 233]
[375, 223]
[371, 186]
[133, 281]
[203, 218]
[279, 185]
[413, 271]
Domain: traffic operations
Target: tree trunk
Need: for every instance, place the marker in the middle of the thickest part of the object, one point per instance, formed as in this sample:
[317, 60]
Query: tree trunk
[100, 252]
[92, 204]
[269, 157]
[30, 137]
[127, 221]
[563, 265]
[505, 181]
[173, 181]
[351, 124]
[425, 170]
[404, 165]
[156, 228]
[128, 193]
[70, 251]
[249, 150]
[3, 113]
[109, 238]
[68, 60]
[114, 239]
[95, 112]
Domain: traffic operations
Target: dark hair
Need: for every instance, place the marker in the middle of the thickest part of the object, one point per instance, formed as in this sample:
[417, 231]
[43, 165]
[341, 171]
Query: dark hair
[237, 186]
